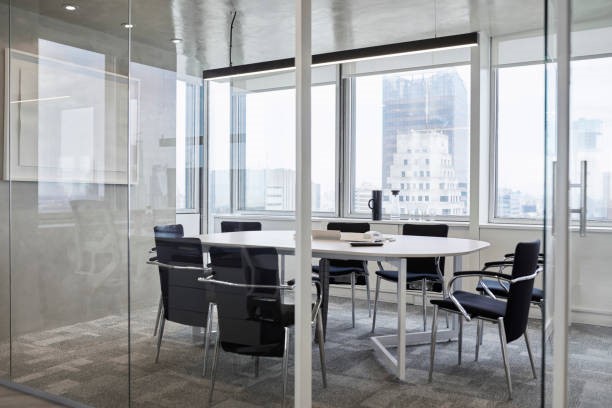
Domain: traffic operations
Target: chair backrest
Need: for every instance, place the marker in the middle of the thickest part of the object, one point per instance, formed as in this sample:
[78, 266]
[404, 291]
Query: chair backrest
[348, 227]
[169, 231]
[250, 318]
[185, 299]
[519, 295]
[234, 226]
[425, 265]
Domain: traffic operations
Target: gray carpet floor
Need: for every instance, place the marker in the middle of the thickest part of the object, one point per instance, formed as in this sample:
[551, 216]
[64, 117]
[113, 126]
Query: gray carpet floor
[88, 362]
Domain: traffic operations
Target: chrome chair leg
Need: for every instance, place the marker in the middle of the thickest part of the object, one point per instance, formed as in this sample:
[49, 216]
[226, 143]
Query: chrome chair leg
[160, 308]
[213, 372]
[424, 295]
[478, 334]
[432, 349]
[375, 302]
[481, 331]
[460, 340]
[322, 349]
[256, 367]
[533, 369]
[159, 337]
[353, 295]
[504, 347]
[207, 337]
[286, 365]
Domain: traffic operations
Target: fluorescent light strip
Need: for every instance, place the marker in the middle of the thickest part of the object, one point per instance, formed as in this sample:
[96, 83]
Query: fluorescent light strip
[51, 98]
[339, 57]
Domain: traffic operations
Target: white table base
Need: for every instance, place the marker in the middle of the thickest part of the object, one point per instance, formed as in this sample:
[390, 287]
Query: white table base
[382, 344]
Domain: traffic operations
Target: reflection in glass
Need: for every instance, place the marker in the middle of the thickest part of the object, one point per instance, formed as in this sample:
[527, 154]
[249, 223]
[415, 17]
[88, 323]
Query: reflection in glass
[68, 165]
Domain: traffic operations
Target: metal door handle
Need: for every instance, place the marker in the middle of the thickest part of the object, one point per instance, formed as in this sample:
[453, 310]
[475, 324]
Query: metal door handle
[582, 210]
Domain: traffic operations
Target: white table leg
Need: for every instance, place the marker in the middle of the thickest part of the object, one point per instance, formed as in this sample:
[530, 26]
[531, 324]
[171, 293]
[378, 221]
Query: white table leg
[401, 321]
[403, 339]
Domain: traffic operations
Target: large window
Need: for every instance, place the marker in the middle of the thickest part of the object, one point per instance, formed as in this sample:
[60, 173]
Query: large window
[267, 179]
[591, 133]
[520, 142]
[411, 133]
[252, 145]
[188, 118]
[520, 138]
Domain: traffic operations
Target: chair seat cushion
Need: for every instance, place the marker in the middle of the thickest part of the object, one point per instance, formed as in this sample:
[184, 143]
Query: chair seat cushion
[496, 288]
[338, 270]
[475, 305]
[391, 275]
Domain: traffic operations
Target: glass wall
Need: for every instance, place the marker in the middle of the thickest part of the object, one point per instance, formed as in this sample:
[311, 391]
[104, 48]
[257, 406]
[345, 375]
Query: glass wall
[67, 162]
[5, 293]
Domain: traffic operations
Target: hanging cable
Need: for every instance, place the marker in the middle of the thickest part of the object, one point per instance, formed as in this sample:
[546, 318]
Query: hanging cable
[231, 37]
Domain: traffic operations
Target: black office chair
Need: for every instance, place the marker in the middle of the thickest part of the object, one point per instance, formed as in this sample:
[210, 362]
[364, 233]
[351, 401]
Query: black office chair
[234, 226]
[356, 271]
[252, 318]
[419, 270]
[510, 316]
[185, 300]
[165, 231]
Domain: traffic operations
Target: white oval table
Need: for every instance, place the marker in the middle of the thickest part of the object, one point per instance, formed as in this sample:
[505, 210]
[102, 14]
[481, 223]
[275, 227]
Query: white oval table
[394, 252]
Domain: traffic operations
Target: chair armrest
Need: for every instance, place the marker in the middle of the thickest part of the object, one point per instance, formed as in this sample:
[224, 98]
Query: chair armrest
[154, 261]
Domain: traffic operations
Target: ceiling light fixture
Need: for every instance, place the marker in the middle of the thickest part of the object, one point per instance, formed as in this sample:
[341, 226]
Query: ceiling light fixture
[176, 40]
[69, 7]
[127, 25]
[358, 54]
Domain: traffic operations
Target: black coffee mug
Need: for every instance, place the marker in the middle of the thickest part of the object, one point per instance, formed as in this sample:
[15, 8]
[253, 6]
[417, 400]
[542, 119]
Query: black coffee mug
[375, 204]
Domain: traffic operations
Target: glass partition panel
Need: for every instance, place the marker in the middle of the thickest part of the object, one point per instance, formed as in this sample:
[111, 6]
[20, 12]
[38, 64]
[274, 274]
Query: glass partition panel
[590, 203]
[67, 162]
[165, 112]
[5, 296]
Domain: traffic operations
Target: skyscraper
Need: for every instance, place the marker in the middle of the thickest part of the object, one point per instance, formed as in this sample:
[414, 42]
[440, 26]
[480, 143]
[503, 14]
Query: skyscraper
[435, 102]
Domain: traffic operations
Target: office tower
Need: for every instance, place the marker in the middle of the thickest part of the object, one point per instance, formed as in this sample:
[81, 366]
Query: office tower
[426, 101]
[422, 169]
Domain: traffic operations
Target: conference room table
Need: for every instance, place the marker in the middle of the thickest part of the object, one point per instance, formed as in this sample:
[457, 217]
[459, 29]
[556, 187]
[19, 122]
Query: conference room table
[395, 250]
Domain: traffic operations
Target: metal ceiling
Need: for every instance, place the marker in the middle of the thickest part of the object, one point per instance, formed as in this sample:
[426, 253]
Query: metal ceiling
[264, 29]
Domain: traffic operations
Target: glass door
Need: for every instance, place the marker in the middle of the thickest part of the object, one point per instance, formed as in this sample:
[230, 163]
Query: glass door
[579, 210]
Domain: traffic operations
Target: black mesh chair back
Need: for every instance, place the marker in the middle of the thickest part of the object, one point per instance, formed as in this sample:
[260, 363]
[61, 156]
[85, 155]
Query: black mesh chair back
[169, 231]
[347, 227]
[234, 226]
[519, 295]
[252, 320]
[425, 265]
[185, 299]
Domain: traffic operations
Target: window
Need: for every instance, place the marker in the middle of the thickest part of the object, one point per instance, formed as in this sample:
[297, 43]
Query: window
[416, 117]
[252, 154]
[267, 180]
[188, 96]
[520, 142]
[591, 134]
